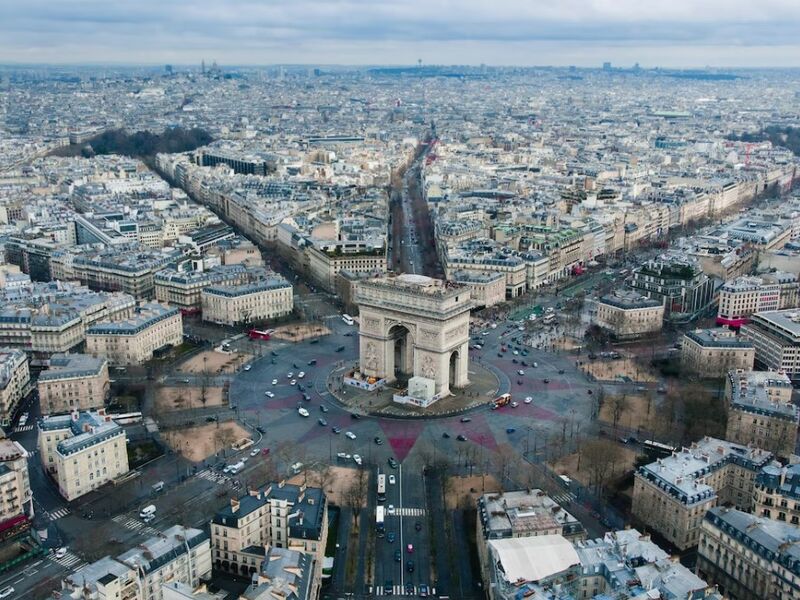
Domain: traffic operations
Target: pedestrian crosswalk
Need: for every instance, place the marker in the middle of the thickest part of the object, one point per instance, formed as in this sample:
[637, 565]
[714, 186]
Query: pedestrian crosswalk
[409, 512]
[219, 478]
[399, 590]
[22, 428]
[69, 561]
[134, 524]
[58, 513]
[564, 498]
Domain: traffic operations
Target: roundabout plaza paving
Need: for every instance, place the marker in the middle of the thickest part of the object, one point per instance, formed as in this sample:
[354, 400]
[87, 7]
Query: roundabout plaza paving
[561, 404]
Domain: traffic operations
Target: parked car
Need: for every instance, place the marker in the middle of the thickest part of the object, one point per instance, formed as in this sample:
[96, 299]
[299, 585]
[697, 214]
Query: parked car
[390, 509]
[461, 437]
[392, 462]
[61, 552]
[350, 435]
[322, 422]
[337, 430]
[390, 537]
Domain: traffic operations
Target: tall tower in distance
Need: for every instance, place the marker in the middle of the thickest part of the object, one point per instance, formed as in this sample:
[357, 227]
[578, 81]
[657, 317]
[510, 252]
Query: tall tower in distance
[203, 66]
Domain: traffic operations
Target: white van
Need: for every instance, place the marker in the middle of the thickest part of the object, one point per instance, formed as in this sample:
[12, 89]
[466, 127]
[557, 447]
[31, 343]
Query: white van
[234, 469]
[157, 487]
[297, 467]
[147, 511]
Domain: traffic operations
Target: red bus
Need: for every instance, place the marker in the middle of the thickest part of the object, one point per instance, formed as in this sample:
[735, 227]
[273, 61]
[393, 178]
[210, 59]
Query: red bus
[260, 334]
[501, 401]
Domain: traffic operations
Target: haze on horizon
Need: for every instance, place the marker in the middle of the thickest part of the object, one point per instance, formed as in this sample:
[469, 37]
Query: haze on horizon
[675, 33]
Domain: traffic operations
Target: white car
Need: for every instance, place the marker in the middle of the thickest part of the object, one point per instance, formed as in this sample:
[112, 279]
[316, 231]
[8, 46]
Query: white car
[528, 399]
[392, 480]
[357, 459]
[269, 394]
[293, 382]
[520, 372]
[514, 404]
[274, 382]
[390, 509]
[248, 367]
[61, 552]
[289, 375]
[516, 352]
[303, 412]
[301, 374]
[254, 451]
[348, 434]
[6, 592]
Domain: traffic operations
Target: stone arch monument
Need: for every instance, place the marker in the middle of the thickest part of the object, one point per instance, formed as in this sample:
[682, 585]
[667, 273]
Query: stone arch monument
[414, 326]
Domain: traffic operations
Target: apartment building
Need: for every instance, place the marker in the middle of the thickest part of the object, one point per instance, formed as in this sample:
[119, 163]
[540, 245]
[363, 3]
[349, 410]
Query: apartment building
[264, 300]
[16, 497]
[743, 296]
[324, 264]
[285, 574]
[183, 289]
[749, 557]
[280, 515]
[73, 381]
[629, 315]
[777, 493]
[134, 341]
[150, 571]
[122, 269]
[680, 285]
[82, 451]
[714, 352]
[487, 288]
[775, 335]
[15, 381]
[760, 411]
[672, 494]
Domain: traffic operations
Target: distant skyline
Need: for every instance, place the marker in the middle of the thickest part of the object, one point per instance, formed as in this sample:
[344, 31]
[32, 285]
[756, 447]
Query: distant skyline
[675, 33]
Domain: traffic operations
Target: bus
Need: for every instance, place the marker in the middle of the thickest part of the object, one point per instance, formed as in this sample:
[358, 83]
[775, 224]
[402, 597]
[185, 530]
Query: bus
[379, 520]
[381, 487]
[260, 334]
[657, 448]
[501, 401]
[348, 319]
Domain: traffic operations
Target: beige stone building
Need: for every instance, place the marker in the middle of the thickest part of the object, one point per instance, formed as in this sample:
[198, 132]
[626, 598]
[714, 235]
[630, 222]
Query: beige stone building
[73, 381]
[323, 265]
[749, 557]
[487, 288]
[775, 335]
[280, 515]
[15, 381]
[255, 302]
[760, 411]
[134, 340]
[777, 493]
[629, 315]
[82, 451]
[673, 494]
[714, 352]
[16, 497]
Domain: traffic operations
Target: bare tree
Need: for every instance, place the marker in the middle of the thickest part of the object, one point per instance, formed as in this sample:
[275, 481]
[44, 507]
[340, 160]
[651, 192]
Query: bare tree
[224, 437]
[619, 404]
[503, 459]
[600, 458]
[356, 494]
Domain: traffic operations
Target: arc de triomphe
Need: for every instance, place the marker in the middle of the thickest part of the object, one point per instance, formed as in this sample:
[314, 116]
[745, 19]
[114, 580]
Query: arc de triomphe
[415, 326]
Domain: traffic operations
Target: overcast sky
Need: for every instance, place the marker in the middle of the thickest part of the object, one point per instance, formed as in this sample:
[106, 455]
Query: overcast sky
[672, 33]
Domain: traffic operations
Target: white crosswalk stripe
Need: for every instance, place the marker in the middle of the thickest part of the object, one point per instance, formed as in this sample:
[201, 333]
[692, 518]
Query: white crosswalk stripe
[219, 478]
[409, 512]
[564, 498]
[58, 513]
[134, 524]
[68, 561]
[398, 590]
[22, 428]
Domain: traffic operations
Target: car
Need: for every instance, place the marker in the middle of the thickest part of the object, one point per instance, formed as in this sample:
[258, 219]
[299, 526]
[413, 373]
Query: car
[392, 480]
[340, 349]
[465, 419]
[398, 557]
[322, 422]
[461, 437]
[301, 387]
[510, 430]
[289, 375]
[409, 589]
[323, 408]
[514, 404]
[6, 591]
[312, 362]
[337, 430]
[523, 363]
[445, 435]
[350, 435]
[392, 462]
[410, 548]
[410, 566]
[274, 382]
[269, 394]
[561, 371]
[589, 392]
[248, 367]
[303, 412]
[261, 430]
[535, 365]
[254, 451]
[390, 537]
[499, 355]
[528, 399]
[355, 416]
[211, 419]
[545, 380]
[514, 360]
[61, 552]
[264, 451]
[343, 456]
[245, 459]
[418, 526]
[293, 382]
[423, 590]
[185, 381]
[301, 374]
[378, 441]
[520, 372]
[390, 509]
[273, 353]
[306, 397]
[519, 381]
[357, 459]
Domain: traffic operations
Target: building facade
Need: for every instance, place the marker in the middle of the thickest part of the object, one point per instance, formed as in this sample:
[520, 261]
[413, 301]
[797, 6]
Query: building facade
[777, 493]
[73, 381]
[248, 303]
[714, 352]
[629, 315]
[134, 340]
[775, 335]
[16, 497]
[82, 451]
[15, 381]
